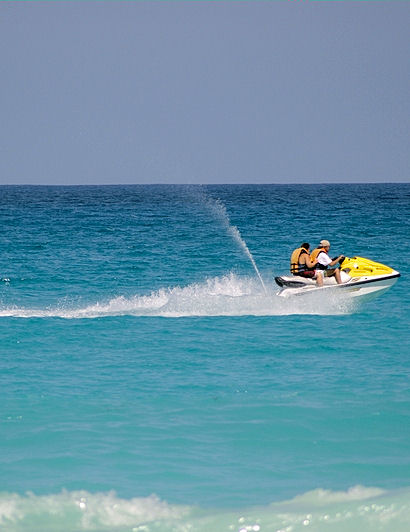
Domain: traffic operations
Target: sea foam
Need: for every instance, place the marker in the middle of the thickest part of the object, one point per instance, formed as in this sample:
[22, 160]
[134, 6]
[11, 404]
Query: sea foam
[230, 295]
[359, 509]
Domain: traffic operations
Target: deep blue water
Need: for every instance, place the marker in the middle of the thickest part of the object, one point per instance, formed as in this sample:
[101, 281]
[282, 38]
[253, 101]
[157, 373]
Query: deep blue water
[141, 355]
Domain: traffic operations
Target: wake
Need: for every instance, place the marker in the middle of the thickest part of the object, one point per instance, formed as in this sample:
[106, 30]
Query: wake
[359, 508]
[229, 295]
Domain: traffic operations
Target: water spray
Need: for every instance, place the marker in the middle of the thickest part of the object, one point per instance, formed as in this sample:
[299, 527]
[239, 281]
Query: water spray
[219, 209]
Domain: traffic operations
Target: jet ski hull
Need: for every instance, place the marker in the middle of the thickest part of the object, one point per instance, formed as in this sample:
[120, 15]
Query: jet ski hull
[354, 288]
[361, 278]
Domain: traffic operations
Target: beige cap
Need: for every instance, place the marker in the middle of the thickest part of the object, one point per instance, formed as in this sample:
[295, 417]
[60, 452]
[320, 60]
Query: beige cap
[324, 243]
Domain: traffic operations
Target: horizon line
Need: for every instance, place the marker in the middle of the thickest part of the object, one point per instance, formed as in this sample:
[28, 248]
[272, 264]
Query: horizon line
[201, 184]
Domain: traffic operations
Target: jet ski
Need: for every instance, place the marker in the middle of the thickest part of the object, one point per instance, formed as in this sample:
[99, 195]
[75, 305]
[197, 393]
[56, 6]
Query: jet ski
[360, 277]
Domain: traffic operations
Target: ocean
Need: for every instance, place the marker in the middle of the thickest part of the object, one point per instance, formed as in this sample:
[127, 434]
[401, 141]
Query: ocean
[152, 381]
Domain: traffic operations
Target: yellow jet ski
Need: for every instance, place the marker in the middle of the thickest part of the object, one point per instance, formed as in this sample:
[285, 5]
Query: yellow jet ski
[360, 277]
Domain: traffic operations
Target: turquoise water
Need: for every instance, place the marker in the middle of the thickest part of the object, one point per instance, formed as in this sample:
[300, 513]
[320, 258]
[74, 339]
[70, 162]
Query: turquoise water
[149, 382]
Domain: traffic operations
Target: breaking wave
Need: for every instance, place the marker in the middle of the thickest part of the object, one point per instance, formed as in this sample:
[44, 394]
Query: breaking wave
[363, 509]
[230, 295]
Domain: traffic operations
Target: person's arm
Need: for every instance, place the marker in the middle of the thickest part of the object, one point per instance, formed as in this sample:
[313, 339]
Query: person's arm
[336, 260]
[310, 263]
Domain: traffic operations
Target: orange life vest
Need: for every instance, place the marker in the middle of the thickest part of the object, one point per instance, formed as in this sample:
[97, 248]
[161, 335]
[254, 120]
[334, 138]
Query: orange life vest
[295, 267]
[314, 255]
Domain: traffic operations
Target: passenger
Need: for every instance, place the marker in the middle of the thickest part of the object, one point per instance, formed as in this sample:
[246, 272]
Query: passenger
[300, 262]
[320, 254]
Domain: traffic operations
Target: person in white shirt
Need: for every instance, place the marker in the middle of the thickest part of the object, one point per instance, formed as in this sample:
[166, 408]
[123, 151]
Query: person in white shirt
[321, 254]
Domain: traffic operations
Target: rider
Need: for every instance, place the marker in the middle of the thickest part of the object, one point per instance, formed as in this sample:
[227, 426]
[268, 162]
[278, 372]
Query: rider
[323, 261]
[301, 263]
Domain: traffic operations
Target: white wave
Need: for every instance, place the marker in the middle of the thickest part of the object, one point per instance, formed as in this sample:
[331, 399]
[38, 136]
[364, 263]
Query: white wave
[230, 295]
[323, 497]
[359, 509]
[80, 510]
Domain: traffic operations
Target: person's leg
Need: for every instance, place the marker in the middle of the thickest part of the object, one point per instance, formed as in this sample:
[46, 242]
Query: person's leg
[337, 275]
[319, 278]
[334, 272]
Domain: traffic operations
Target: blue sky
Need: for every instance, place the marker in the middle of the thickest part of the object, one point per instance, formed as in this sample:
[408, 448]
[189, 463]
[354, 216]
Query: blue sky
[204, 92]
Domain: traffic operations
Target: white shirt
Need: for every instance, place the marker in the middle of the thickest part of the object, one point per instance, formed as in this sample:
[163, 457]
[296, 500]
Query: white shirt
[324, 259]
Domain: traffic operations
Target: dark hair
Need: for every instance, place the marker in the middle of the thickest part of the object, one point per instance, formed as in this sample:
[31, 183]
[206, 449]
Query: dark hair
[305, 245]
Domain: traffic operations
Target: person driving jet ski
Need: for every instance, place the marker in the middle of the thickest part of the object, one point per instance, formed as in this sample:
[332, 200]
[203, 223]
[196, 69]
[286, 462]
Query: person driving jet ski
[323, 261]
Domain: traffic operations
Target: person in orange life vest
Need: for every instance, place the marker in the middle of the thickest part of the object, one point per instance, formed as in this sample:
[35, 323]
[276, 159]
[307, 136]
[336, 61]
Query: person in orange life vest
[300, 262]
[320, 254]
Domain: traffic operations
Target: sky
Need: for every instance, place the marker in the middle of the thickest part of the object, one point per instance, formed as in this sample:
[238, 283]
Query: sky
[204, 92]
